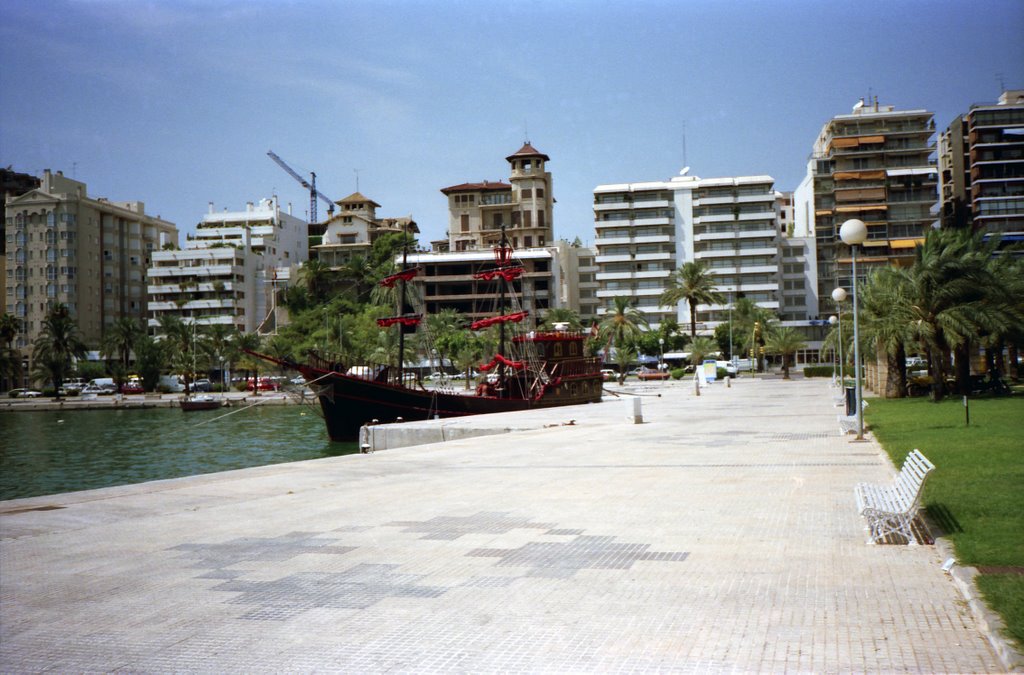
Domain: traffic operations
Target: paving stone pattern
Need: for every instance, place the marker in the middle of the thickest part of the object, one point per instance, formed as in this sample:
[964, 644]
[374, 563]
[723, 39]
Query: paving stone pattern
[719, 536]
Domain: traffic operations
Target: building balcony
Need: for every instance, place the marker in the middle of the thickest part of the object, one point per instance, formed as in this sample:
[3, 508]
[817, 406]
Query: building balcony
[613, 258]
[654, 256]
[612, 241]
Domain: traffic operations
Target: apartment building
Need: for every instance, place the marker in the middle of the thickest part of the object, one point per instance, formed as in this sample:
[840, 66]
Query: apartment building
[353, 230]
[231, 269]
[981, 162]
[645, 231]
[89, 253]
[875, 164]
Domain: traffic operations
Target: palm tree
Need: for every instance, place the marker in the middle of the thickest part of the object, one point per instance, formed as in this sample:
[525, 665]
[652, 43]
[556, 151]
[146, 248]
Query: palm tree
[885, 321]
[694, 283]
[58, 344]
[118, 342]
[9, 328]
[359, 274]
[10, 359]
[557, 315]
[316, 276]
[250, 342]
[220, 345]
[444, 332]
[786, 342]
[700, 348]
[621, 326]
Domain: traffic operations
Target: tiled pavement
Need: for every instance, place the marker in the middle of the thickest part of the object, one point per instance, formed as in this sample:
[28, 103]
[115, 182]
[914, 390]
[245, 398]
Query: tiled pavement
[718, 536]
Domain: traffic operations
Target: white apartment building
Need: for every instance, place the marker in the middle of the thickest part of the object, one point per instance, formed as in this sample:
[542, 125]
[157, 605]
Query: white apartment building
[645, 231]
[355, 228]
[231, 269]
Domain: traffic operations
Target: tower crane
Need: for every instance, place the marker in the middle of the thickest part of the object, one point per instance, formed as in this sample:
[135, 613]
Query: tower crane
[308, 184]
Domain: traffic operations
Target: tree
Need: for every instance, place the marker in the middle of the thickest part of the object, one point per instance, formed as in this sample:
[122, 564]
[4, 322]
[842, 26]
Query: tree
[58, 344]
[556, 315]
[695, 284]
[785, 342]
[700, 348]
[444, 333]
[885, 321]
[118, 342]
[621, 326]
[317, 277]
[358, 274]
[9, 328]
[221, 350]
[10, 359]
[246, 342]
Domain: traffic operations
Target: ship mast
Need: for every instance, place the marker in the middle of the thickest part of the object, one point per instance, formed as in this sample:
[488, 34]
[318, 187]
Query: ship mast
[401, 309]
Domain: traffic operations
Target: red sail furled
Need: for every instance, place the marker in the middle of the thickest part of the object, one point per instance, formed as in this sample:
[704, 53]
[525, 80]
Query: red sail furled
[508, 274]
[401, 276]
[404, 320]
[498, 358]
[487, 323]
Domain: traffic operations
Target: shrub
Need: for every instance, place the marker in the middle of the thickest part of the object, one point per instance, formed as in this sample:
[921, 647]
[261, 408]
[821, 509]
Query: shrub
[677, 373]
[818, 371]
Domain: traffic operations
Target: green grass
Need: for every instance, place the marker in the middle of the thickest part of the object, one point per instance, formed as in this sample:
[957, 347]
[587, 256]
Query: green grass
[976, 493]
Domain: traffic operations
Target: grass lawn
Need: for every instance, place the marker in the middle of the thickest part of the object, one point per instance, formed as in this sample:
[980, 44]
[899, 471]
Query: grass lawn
[976, 493]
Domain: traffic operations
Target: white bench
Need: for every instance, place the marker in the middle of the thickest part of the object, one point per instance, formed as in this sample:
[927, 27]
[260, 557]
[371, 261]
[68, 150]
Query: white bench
[890, 509]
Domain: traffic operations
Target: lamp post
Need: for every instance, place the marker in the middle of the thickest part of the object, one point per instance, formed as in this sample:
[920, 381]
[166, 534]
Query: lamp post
[853, 232]
[833, 320]
[839, 296]
[661, 354]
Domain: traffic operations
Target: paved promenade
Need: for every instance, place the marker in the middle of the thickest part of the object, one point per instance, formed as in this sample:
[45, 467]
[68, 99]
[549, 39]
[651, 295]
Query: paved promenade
[720, 535]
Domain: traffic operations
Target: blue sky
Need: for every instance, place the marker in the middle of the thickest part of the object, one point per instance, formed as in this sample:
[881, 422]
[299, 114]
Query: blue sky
[177, 103]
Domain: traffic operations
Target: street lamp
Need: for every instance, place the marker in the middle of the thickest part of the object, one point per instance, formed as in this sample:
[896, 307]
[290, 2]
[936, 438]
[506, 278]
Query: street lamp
[839, 296]
[661, 354]
[833, 320]
[853, 232]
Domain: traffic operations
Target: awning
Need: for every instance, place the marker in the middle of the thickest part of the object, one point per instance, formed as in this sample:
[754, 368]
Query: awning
[872, 139]
[823, 212]
[861, 207]
[905, 243]
[875, 242]
[917, 171]
[859, 175]
[845, 142]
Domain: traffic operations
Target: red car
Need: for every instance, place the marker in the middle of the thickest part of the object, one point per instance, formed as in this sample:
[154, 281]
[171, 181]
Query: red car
[265, 384]
[132, 388]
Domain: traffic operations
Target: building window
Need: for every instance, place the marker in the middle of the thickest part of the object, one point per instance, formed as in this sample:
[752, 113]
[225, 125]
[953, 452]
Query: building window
[527, 218]
[464, 222]
[527, 193]
[540, 218]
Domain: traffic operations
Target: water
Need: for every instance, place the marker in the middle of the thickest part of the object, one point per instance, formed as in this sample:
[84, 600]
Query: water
[48, 452]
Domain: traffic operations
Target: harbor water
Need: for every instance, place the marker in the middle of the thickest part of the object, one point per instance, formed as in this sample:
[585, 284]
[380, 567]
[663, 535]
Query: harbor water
[49, 452]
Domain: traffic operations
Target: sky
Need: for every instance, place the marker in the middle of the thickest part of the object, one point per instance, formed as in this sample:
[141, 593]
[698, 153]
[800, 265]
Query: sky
[176, 104]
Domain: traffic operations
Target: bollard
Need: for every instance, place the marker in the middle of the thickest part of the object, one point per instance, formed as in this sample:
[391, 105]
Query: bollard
[728, 382]
[696, 384]
[638, 416]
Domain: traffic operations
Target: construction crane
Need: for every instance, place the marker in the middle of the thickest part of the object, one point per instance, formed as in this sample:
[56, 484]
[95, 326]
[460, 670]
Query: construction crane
[309, 185]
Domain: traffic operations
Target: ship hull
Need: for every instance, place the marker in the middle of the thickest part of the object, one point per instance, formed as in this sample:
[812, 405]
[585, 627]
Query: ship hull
[349, 402]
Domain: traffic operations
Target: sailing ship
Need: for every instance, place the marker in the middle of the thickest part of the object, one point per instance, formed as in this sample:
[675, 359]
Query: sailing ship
[531, 368]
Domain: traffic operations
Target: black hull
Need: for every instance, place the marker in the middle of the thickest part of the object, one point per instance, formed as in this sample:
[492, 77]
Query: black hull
[350, 402]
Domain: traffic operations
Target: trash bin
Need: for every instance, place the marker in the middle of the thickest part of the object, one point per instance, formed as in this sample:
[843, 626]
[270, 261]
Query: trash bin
[851, 401]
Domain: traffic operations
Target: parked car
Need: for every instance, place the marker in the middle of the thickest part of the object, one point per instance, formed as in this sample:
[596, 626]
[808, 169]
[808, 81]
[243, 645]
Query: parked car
[608, 375]
[265, 384]
[727, 365]
[133, 387]
[202, 385]
[24, 393]
[648, 374]
[96, 390]
[299, 380]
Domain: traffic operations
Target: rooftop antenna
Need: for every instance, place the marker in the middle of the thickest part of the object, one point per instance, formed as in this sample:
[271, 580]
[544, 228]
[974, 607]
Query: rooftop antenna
[74, 170]
[357, 179]
[685, 163]
[1002, 82]
[526, 131]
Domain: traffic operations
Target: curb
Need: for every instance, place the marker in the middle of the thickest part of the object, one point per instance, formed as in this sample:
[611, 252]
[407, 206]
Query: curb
[989, 623]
